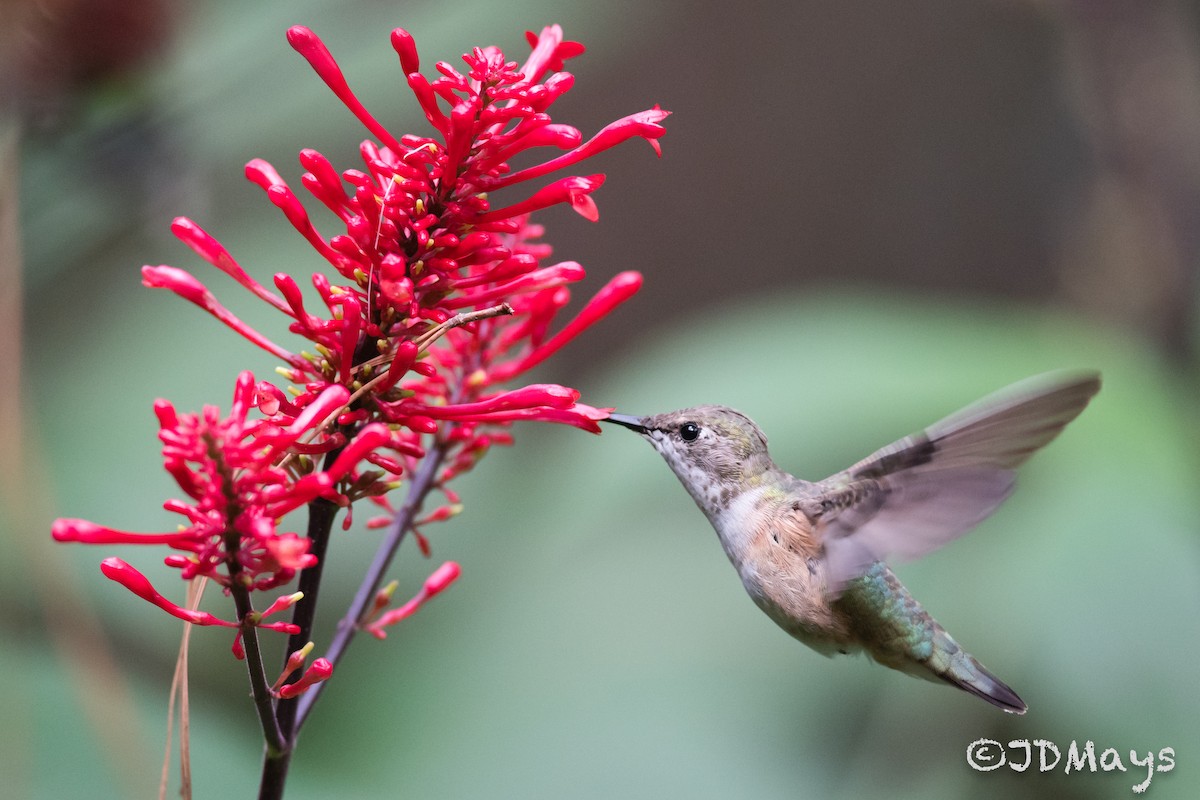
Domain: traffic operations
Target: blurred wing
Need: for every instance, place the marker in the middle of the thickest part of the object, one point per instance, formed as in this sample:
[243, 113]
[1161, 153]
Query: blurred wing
[921, 492]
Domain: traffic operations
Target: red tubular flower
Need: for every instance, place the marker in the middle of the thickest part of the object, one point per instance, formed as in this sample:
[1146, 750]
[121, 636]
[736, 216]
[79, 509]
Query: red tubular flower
[434, 585]
[117, 570]
[547, 396]
[618, 290]
[295, 660]
[573, 191]
[643, 124]
[80, 530]
[211, 251]
[187, 287]
[319, 670]
[578, 415]
[307, 44]
[372, 437]
[439, 292]
[282, 603]
[227, 467]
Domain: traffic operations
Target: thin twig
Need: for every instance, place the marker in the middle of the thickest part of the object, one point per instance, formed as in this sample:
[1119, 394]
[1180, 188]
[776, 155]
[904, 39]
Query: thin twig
[420, 486]
[321, 515]
[461, 318]
[259, 686]
[290, 715]
[424, 340]
[195, 593]
[179, 680]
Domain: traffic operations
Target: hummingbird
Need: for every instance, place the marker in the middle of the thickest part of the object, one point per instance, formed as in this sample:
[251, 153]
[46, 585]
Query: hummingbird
[813, 555]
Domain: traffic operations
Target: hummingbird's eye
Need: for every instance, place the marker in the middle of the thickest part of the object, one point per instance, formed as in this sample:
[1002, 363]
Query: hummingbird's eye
[688, 431]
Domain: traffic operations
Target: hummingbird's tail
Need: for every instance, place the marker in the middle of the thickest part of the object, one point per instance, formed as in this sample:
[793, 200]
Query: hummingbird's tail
[898, 633]
[957, 667]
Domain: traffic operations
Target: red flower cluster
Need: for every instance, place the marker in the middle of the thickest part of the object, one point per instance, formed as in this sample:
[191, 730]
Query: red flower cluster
[439, 296]
[230, 469]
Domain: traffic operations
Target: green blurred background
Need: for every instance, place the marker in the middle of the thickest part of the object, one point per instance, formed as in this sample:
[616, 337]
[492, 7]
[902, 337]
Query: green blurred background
[867, 215]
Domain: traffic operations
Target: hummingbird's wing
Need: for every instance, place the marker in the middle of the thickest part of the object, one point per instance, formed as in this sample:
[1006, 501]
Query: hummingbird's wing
[921, 492]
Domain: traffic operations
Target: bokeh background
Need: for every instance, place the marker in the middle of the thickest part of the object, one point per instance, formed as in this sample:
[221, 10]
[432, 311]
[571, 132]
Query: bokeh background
[868, 214]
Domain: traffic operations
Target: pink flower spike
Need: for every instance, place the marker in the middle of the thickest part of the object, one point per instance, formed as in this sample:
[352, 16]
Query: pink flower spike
[283, 198]
[294, 662]
[579, 415]
[262, 173]
[178, 281]
[573, 190]
[209, 249]
[303, 491]
[622, 287]
[643, 124]
[282, 603]
[544, 278]
[406, 354]
[291, 294]
[371, 437]
[290, 552]
[543, 395]
[441, 578]
[549, 52]
[187, 287]
[80, 530]
[320, 670]
[165, 413]
[383, 597]
[435, 584]
[310, 46]
[331, 399]
[351, 325]
[117, 570]
[440, 289]
[406, 48]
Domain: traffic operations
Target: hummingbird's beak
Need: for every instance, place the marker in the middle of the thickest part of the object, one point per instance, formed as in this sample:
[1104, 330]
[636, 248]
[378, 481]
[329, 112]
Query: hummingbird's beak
[625, 421]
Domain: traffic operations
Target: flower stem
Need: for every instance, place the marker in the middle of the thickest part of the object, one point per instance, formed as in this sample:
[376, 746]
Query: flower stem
[321, 514]
[274, 775]
[260, 689]
[421, 483]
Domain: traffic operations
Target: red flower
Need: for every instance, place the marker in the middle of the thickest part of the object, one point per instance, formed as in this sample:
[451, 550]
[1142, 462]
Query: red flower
[438, 294]
[318, 671]
[229, 469]
[434, 585]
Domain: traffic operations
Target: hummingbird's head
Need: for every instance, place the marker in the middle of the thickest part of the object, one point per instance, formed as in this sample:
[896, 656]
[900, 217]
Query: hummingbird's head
[716, 452]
